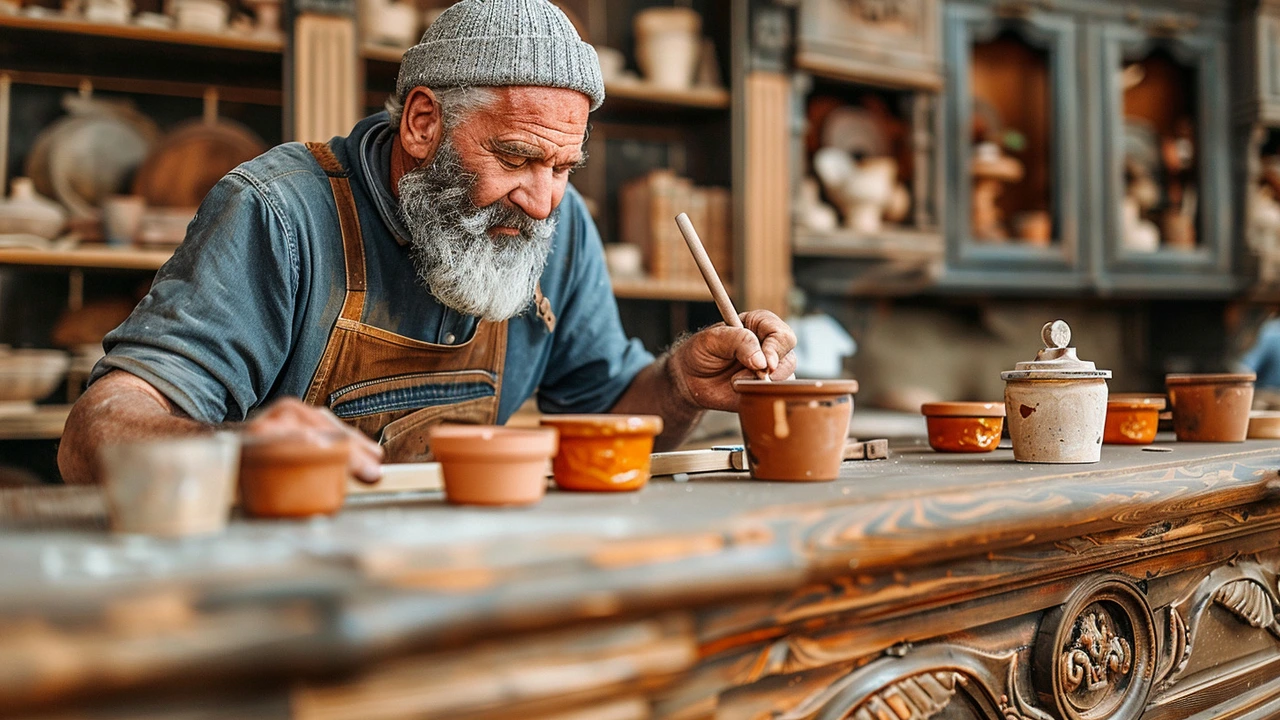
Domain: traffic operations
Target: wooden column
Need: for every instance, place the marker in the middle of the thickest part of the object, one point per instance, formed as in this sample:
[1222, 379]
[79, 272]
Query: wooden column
[766, 253]
[326, 90]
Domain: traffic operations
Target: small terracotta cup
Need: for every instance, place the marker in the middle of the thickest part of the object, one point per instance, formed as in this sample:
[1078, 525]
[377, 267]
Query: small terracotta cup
[1211, 408]
[603, 453]
[964, 427]
[1132, 419]
[294, 475]
[795, 430]
[492, 465]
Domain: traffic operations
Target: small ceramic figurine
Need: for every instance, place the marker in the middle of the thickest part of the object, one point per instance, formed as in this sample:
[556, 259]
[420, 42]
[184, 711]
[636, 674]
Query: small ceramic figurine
[991, 170]
[861, 190]
[810, 212]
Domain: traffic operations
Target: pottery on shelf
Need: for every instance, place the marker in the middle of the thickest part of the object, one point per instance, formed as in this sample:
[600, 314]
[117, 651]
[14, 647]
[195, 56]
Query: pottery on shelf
[862, 190]
[171, 488]
[26, 212]
[1034, 228]
[121, 218]
[1132, 419]
[395, 23]
[603, 453]
[294, 475]
[1056, 404]
[1179, 230]
[668, 45]
[207, 16]
[1211, 407]
[266, 14]
[30, 375]
[612, 63]
[795, 430]
[991, 171]
[624, 260]
[108, 12]
[809, 210]
[492, 465]
[964, 427]
[1139, 235]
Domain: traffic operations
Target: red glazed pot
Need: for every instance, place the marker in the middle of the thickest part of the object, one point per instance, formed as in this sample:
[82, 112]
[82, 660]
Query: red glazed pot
[964, 427]
[603, 453]
[294, 475]
[1132, 419]
[1211, 408]
[795, 429]
[492, 465]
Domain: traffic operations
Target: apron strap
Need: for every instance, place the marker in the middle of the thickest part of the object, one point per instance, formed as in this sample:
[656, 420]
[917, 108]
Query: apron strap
[349, 221]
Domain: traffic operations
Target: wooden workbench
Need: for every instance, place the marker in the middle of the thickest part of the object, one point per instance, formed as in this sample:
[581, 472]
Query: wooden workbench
[920, 586]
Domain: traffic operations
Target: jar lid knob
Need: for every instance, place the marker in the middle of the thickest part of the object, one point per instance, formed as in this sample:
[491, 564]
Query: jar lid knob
[1056, 334]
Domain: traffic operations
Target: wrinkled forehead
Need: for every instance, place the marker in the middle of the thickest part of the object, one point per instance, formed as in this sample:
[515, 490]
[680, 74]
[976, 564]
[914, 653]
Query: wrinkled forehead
[553, 116]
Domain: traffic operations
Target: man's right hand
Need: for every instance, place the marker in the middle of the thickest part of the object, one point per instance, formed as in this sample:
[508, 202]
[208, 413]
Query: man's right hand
[290, 415]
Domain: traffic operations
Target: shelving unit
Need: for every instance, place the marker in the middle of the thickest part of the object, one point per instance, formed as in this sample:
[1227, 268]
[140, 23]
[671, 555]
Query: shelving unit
[104, 258]
[225, 40]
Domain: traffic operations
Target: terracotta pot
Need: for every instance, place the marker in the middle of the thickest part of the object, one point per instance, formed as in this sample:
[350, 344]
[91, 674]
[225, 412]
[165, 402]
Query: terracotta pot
[490, 465]
[171, 488]
[795, 429]
[1132, 419]
[1034, 228]
[294, 475]
[1264, 425]
[606, 453]
[1057, 403]
[964, 427]
[1211, 408]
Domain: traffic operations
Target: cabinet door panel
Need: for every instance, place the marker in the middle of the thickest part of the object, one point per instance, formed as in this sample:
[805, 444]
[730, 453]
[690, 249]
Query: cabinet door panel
[1013, 131]
[1166, 160]
[884, 42]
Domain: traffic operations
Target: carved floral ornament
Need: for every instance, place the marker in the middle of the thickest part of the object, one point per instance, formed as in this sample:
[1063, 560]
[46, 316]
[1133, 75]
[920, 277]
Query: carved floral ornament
[1097, 660]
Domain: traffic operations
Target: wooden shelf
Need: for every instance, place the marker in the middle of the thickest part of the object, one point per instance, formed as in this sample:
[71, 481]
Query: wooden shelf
[382, 53]
[651, 289]
[170, 88]
[97, 257]
[639, 92]
[225, 41]
[890, 243]
[45, 422]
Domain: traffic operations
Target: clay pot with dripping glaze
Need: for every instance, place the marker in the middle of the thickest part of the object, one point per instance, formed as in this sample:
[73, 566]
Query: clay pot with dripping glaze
[603, 453]
[1211, 408]
[1057, 403]
[964, 427]
[795, 430]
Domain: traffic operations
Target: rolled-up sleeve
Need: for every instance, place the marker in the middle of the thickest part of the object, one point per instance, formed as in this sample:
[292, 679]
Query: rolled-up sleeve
[592, 361]
[214, 331]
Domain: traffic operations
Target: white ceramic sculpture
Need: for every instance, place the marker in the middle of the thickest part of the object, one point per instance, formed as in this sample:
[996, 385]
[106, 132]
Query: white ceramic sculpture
[862, 190]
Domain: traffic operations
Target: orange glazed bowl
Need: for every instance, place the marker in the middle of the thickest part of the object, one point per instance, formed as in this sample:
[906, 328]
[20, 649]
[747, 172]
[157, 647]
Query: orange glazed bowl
[603, 453]
[1132, 419]
[964, 427]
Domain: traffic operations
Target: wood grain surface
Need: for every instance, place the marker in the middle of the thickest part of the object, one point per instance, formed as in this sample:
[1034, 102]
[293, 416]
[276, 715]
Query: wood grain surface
[784, 577]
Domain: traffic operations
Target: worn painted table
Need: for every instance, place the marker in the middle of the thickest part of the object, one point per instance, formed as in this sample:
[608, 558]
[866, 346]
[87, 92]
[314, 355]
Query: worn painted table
[920, 586]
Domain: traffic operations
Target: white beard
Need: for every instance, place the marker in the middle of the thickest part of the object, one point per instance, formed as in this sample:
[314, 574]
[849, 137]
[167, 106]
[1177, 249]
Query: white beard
[457, 259]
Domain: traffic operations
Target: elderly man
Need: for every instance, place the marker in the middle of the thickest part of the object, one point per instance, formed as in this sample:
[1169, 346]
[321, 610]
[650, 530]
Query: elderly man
[434, 265]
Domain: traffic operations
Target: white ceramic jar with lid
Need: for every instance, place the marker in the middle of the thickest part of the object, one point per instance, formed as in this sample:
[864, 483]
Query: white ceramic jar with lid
[1057, 403]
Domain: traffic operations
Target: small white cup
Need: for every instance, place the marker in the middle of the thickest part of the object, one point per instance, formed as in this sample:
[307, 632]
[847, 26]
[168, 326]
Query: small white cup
[171, 488]
[121, 217]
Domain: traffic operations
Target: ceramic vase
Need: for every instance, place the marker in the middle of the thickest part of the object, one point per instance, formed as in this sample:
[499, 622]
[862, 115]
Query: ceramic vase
[668, 45]
[171, 488]
[27, 212]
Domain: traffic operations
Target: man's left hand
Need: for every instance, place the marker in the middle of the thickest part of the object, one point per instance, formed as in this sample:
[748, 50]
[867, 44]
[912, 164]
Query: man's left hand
[704, 366]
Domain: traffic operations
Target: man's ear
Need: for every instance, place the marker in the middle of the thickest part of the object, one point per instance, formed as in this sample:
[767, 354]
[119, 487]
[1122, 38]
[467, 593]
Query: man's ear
[421, 125]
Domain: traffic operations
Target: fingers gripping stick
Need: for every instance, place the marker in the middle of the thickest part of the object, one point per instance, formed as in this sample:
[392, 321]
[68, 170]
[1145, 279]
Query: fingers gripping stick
[712, 279]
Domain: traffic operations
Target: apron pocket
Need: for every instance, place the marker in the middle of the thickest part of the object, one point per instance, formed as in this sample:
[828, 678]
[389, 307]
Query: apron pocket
[409, 393]
[405, 440]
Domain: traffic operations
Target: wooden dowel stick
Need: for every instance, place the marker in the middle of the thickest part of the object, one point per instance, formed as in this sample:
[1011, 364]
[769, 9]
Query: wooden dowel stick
[727, 311]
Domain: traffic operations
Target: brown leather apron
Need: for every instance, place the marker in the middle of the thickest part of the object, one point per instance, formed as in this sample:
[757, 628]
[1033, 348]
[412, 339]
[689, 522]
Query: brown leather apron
[394, 388]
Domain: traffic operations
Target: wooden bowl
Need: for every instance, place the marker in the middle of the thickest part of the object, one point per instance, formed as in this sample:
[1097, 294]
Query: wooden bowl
[492, 465]
[1132, 419]
[603, 453]
[964, 427]
[294, 475]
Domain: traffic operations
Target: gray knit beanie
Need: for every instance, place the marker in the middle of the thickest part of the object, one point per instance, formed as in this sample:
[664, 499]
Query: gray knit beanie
[492, 43]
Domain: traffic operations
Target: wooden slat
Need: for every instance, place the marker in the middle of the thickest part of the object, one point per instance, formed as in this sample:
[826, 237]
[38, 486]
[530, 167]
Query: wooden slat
[226, 40]
[709, 98]
[86, 257]
[406, 477]
[326, 97]
[767, 211]
[150, 86]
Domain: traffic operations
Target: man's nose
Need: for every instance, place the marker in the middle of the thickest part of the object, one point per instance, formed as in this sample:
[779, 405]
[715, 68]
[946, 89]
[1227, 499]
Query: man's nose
[535, 195]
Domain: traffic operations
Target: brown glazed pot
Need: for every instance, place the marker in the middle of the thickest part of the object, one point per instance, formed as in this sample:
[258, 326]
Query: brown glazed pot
[603, 453]
[795, 430]
[964, 427]
[1132, 419]
[1211, 408]
[493, 465]
[294, 475]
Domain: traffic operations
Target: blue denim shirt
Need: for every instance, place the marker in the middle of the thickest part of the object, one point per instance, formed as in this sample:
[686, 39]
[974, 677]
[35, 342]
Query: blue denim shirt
[240, 315]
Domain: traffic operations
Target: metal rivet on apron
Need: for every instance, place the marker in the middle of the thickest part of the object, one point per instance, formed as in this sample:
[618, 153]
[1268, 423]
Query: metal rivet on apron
[449, 338]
